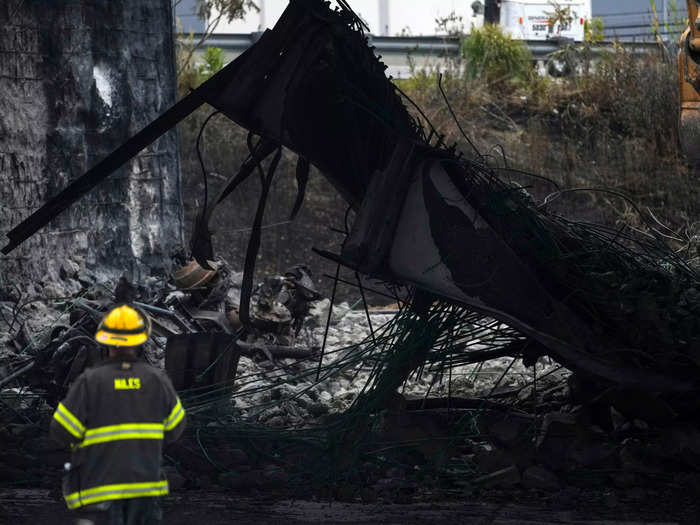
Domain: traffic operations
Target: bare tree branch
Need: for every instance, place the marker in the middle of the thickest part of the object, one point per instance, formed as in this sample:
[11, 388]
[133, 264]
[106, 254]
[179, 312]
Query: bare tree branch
[230, 9]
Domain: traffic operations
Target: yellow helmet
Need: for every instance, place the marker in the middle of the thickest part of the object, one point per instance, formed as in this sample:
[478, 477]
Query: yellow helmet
[124, 326]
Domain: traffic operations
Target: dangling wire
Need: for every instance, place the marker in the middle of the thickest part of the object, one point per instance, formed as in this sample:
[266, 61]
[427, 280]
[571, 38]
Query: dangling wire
[201, 161]
[254, 242]
[358, 21]
[433, 131]
[328, 322]
[335, 287]
[454, 117]
[364, 303]
[345, 221]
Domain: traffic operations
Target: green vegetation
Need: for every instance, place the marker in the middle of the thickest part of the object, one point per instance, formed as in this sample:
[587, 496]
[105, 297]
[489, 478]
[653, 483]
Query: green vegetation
[495, 57]
[561, 16]
[672, 23]
[213, 62]
[612, 123]
[191, 74]
[593, 30]
[212, 12]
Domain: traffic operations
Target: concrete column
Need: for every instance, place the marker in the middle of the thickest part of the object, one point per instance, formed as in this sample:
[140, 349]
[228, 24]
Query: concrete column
[77, 79]
[384, 17]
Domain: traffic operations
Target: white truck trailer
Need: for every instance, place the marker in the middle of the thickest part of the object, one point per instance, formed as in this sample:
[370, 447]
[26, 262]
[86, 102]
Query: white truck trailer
[524, 19]
[530, 19]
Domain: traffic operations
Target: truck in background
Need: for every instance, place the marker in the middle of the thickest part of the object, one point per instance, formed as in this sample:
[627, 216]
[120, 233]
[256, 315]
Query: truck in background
[524, 19]
[530, 19]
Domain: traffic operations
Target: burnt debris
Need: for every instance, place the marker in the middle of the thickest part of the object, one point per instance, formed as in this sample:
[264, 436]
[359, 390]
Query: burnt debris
[430, 218]
[491, 277]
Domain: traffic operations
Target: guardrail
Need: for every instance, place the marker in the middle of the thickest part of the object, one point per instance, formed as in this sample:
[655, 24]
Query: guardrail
[422, 45]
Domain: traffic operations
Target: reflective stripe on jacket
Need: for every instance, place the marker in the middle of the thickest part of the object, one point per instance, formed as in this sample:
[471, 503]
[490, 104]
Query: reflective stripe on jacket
[116, 417]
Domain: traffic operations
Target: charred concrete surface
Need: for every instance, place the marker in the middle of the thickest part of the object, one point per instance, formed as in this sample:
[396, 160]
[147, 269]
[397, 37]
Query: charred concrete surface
[78, 78]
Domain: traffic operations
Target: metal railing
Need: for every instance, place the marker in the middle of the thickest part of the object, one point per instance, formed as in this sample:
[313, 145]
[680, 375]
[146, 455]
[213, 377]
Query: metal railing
[421, 45]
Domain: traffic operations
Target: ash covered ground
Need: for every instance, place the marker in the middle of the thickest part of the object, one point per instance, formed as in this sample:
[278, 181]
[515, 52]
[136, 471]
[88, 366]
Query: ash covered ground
[522, 449]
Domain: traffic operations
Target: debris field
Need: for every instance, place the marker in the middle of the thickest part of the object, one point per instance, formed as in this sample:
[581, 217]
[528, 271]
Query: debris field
[523, 351]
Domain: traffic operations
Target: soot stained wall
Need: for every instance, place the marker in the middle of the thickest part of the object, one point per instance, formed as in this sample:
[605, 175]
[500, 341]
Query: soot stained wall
[78, 78]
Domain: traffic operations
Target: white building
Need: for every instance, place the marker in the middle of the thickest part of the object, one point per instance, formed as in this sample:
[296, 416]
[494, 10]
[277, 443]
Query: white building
[383, 17]
[186, 19]
[623, 19]
[403, 27]
[634, 20]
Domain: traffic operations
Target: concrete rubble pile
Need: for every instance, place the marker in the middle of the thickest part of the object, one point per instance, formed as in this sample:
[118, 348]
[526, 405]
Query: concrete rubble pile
[528, 427]
[273, 401]
[55, 336]
[46, 344]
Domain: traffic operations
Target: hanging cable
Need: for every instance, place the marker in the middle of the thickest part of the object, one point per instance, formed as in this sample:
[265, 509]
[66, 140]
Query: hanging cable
[454, 117]
[254, 242]
[201, 160]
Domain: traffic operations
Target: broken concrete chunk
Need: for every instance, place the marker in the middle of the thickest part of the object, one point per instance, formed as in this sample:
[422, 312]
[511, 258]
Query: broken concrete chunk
[68, 270]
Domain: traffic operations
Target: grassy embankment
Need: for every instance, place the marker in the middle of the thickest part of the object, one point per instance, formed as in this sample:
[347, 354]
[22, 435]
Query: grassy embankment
[613, 125]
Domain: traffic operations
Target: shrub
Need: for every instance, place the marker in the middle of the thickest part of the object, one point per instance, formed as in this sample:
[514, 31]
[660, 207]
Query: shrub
[594, 30]
[191, 75]
[496, 57]
[635, 96]
[213, 62]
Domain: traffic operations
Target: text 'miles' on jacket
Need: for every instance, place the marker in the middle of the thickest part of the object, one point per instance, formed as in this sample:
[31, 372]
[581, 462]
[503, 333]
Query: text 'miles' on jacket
[115, 418]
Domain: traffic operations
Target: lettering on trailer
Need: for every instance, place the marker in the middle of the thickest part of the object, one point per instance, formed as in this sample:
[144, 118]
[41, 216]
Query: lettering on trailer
[543, 23]
[127, 383]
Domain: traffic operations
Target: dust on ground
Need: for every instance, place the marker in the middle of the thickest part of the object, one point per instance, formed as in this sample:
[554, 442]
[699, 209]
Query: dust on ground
[216, 507]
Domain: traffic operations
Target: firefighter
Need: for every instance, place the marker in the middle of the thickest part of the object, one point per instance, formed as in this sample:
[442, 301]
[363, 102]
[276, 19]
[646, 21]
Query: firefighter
[115, 418]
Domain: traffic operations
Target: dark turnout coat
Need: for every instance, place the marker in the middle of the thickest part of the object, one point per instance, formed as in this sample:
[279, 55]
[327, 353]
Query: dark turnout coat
[115, 418]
